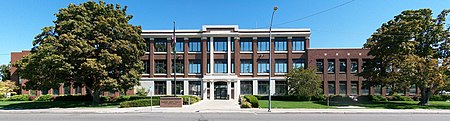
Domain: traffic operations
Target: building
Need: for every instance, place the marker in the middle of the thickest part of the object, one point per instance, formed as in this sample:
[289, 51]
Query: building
[224, 61]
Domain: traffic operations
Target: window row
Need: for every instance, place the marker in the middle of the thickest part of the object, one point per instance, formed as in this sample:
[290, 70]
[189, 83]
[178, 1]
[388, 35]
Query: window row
[365, 87]
[220, 66]
[342, 66]
[221, 44]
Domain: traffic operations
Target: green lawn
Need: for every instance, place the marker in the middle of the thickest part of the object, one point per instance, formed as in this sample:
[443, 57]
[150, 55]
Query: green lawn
[376, 105]
[293, 104]
[54, 104]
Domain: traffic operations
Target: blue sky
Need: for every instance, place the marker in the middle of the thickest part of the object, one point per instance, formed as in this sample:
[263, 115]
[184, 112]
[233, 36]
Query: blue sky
[346, 26]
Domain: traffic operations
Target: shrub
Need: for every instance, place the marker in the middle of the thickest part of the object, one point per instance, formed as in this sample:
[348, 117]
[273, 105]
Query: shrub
[252, 100]
[19, 98]
[319, 98]
[105, 99]
[378, 98]
[396, 97]
[293, 98]
[141, 92]
[123, 98]
[74, 98]
[440, 98]
[194, 99]
[246, 105]
[139, 103]
[46, 98]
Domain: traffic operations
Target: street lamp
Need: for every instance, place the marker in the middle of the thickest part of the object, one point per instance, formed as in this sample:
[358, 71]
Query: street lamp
[270, 58]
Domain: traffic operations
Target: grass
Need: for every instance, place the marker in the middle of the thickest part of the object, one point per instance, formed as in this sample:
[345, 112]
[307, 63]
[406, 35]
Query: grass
[293, 104]
[372, 105]
[17, 105]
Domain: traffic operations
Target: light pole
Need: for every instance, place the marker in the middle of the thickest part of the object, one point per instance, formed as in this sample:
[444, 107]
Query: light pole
[270, 58]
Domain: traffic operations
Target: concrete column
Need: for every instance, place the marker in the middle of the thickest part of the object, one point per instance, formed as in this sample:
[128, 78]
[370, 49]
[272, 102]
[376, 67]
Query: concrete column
[229, 89]
[255, 87]
[229, 55]
[211, 55]
[186, 87]
[237, 89]
[204, 91]
[169, 87]
[211, 91]
[272, 87]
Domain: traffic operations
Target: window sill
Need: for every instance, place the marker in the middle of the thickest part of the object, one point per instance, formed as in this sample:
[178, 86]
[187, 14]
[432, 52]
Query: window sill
[147, 52]
[246, 74]
[160, 74]
[194, 52]
[145, 74]
[194, 74]
[281, 51]
[178, 74]
[263, 51]
[280, 73]
[298, 51]
[263, 74]
[246, 52]
[160, 53]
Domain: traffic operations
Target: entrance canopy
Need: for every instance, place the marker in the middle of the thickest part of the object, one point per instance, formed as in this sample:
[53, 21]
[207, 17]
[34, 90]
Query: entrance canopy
[220, 77]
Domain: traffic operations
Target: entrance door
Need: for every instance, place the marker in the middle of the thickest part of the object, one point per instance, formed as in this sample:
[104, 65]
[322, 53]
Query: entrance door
[220, 90]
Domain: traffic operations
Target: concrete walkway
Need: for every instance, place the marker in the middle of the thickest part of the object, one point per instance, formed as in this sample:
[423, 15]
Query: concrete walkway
[214, 105]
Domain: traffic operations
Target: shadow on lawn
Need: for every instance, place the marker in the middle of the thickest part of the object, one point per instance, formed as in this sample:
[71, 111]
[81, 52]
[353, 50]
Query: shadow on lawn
[54, 104]
[387, 105]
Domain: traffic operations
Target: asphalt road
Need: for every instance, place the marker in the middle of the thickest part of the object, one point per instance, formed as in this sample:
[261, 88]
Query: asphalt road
[223, 117]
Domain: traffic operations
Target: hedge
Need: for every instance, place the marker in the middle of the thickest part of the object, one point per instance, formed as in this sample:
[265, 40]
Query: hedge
[139, 103]
[19, 98]
[194, 99]
[400, 98]
[252, 100]
[46, 98]
[440, 98]
[377, 98]
[293, 98]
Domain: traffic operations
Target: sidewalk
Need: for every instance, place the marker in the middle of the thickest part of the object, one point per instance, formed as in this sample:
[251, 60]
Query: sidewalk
[226, 106]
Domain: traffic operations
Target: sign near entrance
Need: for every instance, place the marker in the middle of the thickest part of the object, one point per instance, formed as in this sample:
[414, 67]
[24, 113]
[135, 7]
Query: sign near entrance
[171, 102]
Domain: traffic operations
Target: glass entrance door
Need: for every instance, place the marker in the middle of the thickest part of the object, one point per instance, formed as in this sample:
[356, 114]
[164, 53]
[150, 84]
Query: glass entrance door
[220, 90]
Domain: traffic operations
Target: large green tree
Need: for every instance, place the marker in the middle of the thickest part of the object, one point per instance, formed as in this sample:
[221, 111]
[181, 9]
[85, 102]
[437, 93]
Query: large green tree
[304, 82]
[92, 45]
[5, 72]
[411, 49]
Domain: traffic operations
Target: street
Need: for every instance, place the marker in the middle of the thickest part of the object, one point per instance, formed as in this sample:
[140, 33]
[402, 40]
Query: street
[222, 117]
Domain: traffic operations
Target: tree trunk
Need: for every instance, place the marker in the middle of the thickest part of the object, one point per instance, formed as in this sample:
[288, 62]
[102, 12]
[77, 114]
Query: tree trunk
[95, 97]
[425, 96]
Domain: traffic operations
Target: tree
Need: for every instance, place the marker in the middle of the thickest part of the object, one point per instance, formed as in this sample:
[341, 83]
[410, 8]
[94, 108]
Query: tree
[90, 45]
[5, 73]
[408, 50]
[7, 87]
[304, 82]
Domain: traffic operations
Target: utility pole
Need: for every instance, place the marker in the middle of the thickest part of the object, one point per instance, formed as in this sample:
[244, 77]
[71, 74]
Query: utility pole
[270, 59]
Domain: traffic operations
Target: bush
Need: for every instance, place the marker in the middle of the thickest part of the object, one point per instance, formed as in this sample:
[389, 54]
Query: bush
[141, 92]
[378, 98]
[139, 103]
[440, 98]
[293, 98]
[194, 99]
[19, 98]
[252, 100]
[106, 99]
[74, 98]
[400, 98]
[123, 98]
[46, 98]
[246, 104]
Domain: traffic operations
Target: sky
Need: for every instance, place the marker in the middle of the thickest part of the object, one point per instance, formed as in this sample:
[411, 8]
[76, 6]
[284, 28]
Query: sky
[333, 23]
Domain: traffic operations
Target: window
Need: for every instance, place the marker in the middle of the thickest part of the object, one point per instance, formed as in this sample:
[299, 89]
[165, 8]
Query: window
[160, 88]
[220, 44]
[389, 90]
[263, 44]
[232, 44]
[195, 45]
[78, 90]
[146, 67]
[44, 91]
[354, 88]
[246, 66]
[299, 63]
[195, 88]
[280, 66]
[246, 87]
[160, 67]
[319, 66]
[412, 90]
[377, 89]
[342, 87]
[246, 44]
[342, 66]
[298, 43]
[179, 46]
[280, 44]
[365, 88]
[160, 45]
[194, 66]
[180, 66]
[179, 89]
[220, 66]
[147, 44]
[55, 91]
[67, 89]
[280, 88]
[330, 66]
[208, 44]
[263, 66]
[209, 67]
[354, 66]
[263, 87]
[232, 66]
[331, 88]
